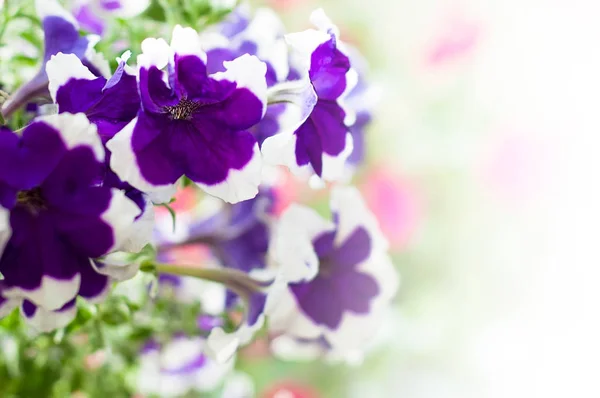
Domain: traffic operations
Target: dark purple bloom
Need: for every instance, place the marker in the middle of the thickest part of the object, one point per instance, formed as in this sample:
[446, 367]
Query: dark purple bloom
[60, 217]
[322, 141]
[61, 34]
[195, 125]
[340, 276]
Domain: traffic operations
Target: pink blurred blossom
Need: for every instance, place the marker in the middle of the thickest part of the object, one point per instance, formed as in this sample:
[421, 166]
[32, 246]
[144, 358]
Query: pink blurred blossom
[515, 167]
[457, 39]
[396, 203]
[291, 389]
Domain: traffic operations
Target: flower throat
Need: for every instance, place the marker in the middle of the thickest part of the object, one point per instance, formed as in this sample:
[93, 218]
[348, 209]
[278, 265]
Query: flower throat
[183, 110]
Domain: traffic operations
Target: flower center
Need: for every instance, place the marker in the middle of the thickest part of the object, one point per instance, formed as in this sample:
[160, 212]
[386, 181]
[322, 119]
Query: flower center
[183, 110]
[32, 200]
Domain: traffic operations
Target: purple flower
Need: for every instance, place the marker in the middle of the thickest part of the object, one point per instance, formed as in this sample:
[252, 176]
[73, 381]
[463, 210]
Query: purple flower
[110, 104]
[60, 216]
[179, 367]
[341, 279]
[321, 142]
[192, 123]
[61, 34]
[263, 36]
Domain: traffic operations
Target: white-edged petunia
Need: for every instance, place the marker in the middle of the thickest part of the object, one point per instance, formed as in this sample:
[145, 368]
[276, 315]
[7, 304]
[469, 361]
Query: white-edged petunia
[61, 217]
[341, 279]
[192, 123]
[317, 143]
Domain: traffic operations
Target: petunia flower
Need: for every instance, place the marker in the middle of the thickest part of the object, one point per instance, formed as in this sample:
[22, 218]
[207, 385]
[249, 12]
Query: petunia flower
[341, 279]
[192, 123]
[110, 104]
[179, 367]
[321, 143]
[262, 34]
[92, 15]
[56, 216]
[61, 34]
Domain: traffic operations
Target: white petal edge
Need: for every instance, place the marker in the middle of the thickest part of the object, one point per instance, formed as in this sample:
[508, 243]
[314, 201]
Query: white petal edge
[288, 348]
[186, 41]
[155, 52]
[63, 67]
[141, 230]
[76, 130]
[5, 229]
[302, 45]
[49, 8]
[120, 216]
[334, 166]
[117, 266]
[52, 293]
[323, 23]
[300, 97]
[247, 71]
[286, 317]
[97, 59]
[353, 212]
[221, 346]
[240, 184]
[267, 30]
[292, 247]
[47, 321]
[123, 162]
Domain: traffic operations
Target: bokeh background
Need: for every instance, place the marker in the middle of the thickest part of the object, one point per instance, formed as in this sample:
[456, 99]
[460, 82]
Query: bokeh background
[482, 168]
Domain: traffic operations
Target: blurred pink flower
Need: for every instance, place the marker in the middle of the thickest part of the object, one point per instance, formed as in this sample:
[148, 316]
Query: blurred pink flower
[457, 39]
[515, 167]
[291, 389]
[396, 203]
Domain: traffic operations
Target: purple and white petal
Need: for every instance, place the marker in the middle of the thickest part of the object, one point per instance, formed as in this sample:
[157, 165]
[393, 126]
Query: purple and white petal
[95, 59]
[179, 367]
[45, 320]
[248, 72]
[51, 8]
[61, 68]
[94, 285]
[240, 184]
[155, 52]
[76, 130]
[124, 163]
[120, 216]
[186, 41]
[266, 30]
[292, 247]
[352, 212]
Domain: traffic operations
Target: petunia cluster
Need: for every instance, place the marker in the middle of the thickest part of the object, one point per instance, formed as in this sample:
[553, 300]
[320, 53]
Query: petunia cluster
[200, 125]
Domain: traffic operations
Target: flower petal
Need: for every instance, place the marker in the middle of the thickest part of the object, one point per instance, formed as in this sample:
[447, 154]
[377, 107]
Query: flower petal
[61, 68]
[45, 320]
[159, 174]
[293, 247]
[241, 181]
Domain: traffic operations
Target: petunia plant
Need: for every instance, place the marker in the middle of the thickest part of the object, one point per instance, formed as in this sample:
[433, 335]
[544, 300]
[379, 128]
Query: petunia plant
[143, 196]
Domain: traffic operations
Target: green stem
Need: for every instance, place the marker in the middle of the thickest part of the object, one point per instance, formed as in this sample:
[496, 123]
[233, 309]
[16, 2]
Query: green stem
[235, 280]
